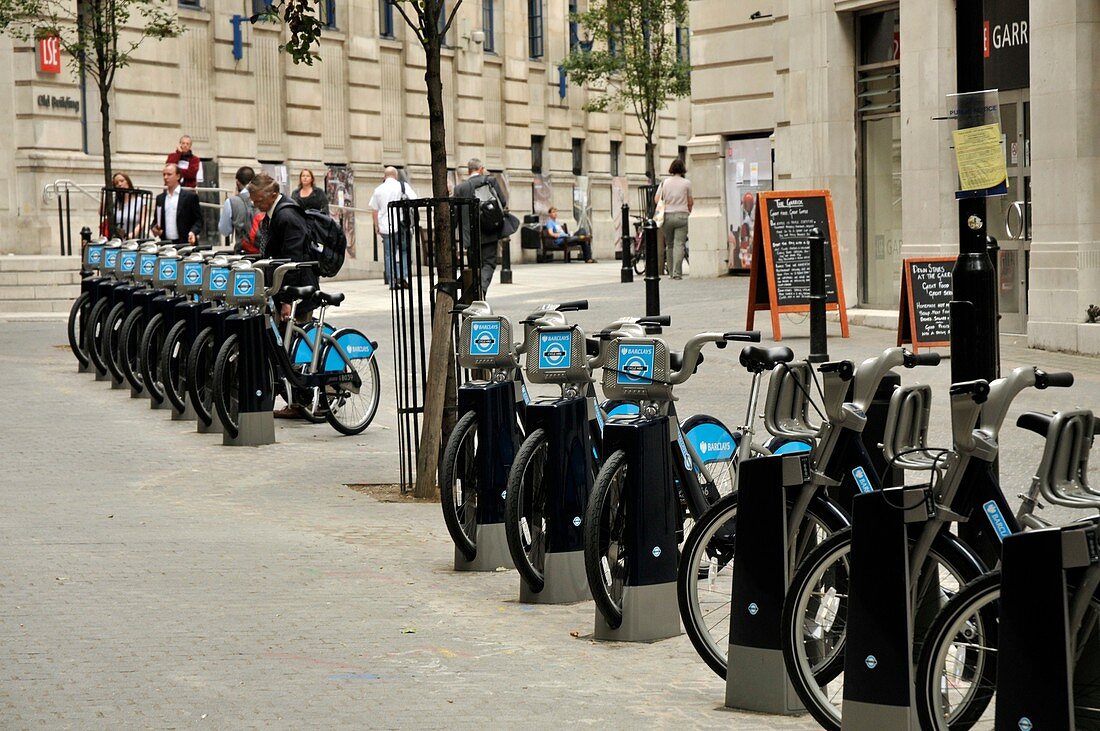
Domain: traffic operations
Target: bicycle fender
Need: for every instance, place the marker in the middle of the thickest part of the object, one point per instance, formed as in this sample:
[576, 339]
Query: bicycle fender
[354, 343]
[303, 349]
[712, 440]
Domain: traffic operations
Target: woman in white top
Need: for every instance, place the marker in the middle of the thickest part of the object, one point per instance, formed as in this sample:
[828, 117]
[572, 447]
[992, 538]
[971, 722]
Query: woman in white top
[675, 191]
[128, 209]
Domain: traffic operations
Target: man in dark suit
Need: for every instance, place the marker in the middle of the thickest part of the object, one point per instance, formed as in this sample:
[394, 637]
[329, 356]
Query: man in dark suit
[490, 236]
[286, 234]
[177, 217]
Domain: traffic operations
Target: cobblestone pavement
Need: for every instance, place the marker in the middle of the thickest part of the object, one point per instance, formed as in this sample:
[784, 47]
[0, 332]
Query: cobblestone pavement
[153, 578]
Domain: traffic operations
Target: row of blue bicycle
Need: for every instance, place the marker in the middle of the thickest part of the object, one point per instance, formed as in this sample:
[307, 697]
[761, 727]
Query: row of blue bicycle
[170, 323]
[842, 572]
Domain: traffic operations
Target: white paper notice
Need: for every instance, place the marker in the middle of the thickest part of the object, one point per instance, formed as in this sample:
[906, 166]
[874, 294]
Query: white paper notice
[754, 173]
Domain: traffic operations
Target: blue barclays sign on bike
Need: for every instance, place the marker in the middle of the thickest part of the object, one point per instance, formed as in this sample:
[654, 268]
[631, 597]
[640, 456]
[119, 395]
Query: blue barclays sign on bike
[635, 364]
[555, 350]
[485, 337]
[244, 284]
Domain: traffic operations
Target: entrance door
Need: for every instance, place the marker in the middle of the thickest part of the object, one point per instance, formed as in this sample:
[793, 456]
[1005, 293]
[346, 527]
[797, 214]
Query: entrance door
[1010, 215]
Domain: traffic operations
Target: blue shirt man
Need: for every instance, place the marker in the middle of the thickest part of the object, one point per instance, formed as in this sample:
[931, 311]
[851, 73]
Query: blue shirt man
[562, 237]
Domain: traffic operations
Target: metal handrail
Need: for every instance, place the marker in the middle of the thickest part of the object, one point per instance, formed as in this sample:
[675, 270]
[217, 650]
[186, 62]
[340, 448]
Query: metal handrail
[63, 184]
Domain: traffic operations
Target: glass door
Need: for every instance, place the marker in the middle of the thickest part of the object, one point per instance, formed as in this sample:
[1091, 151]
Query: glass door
[1010, 215]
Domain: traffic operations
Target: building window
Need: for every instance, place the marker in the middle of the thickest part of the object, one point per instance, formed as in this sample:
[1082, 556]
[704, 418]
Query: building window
[488, 25]
[536, 154]
[878, 103]
[683, 44]
[385, 18]
[574, 37]
[578, 157]
[615, 40]
[196, 4]
[441, 23]
[616, 150]
[534, 28]
[328, 13]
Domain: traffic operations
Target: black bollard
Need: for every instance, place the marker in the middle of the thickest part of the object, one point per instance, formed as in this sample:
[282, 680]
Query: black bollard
[652, 270]
[819, 349]
[626, 275]
[506, 261]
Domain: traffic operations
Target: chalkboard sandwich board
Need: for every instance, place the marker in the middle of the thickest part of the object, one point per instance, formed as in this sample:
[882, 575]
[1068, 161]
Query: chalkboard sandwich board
[779, 276]
[924, 315]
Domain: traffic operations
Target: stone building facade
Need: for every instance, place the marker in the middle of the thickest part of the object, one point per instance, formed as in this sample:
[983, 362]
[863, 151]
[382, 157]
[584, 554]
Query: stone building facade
[850, 95]
[360, 108]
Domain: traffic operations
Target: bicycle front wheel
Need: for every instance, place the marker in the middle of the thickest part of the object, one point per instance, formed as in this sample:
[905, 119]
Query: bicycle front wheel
[704, 581]
[173, 366]
[225, 386]
[605, 556]
[351, 410]
[109, 348]
[639, 261]
[458, 485]
[815, 616]
[78, 317]
[129, 342]
[93, 335]
[525, 510]
[200, 375]
[152, 342]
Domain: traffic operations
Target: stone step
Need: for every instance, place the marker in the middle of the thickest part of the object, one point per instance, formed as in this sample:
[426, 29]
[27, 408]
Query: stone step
[67, 292]
[41, 263]
[23, 305]
[39, 278]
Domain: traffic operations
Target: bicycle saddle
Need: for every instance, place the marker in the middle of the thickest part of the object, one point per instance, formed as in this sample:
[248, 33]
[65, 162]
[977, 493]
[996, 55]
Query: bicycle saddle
[299, 293]
[334, 299]
[1039, 422]
[757, 359]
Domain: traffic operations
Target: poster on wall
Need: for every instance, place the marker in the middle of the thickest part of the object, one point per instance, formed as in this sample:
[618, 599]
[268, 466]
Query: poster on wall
[542, 195]
[748, 173]
[618, 197]
[340, 189]
[277, 171]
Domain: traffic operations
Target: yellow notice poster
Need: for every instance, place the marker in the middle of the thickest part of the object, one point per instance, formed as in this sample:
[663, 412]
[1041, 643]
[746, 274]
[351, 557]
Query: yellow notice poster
[981, 161]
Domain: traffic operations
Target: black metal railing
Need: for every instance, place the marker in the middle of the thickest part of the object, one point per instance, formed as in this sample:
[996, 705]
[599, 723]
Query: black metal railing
[125, 213]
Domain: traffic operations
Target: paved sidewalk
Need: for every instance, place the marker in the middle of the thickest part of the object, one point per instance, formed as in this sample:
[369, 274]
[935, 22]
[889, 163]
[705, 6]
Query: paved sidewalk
[153, 578]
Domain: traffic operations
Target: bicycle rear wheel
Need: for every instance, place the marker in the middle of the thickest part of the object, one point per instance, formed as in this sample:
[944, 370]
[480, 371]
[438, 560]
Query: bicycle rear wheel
[225, 386]
[639, 260]
[458, 486]
[78, 317]
[525, 510]
[605, 555]
[350, 410]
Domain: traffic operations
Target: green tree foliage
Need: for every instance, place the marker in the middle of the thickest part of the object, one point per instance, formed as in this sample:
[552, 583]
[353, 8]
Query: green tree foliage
[98, 36]
[632, 60]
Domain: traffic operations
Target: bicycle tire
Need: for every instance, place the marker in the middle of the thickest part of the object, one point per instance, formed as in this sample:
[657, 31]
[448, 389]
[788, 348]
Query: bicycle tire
[93, 335]
[525, 510]
[340, 402]
[458, 485]
[129, 339]
[172, 366]
[77, 317]
[705, 608]
[604, 521]
[816, 683]
[200, 375]
[225, 387]
[109, 348]
[639, 261]
[152, 340]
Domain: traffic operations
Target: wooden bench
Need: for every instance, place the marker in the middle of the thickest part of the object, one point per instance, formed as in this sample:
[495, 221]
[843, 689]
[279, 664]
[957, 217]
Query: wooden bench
[549, 246]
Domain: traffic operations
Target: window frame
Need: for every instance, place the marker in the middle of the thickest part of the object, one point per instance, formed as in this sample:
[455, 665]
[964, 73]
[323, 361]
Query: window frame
[536, 30]
[538, 149]
[577, 150]
[386, 28]
[615, 153]
[488, 25]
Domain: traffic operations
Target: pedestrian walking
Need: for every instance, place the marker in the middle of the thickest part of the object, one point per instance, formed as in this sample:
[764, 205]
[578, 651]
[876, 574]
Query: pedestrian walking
[495, 220]
[308, 196]
[190, 166]
[395, 244]
[177, 218]
[238, 211]
[675, 193]
[285, 232]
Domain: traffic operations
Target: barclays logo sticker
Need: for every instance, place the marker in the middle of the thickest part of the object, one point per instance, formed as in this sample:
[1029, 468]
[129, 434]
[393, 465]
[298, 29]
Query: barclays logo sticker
[862, 481]
[192, 274]
[997, 520]
[635, 364]
[244, 285]
[485, 338]
[148, 264]
[577, 522]
[1025, 724]
[753, 609]
[128, 262]
[555, 350]
[218, 280]
[871, 662]
[656, 552]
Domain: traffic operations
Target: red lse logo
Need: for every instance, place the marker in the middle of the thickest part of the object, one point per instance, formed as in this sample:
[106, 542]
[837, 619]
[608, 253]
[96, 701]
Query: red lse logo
[985, 39]
[49, 55]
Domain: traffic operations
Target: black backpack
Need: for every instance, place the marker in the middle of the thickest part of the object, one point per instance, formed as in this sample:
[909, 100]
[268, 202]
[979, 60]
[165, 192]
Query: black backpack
[328, 243]
[492, 212]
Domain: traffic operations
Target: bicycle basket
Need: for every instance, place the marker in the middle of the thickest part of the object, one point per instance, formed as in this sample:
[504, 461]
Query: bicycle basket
[637, 369]
[557, 355]
[246, 287]
[485, 342]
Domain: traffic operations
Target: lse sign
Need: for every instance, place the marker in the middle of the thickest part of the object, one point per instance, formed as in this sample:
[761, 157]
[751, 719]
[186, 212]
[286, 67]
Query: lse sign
[49, 55]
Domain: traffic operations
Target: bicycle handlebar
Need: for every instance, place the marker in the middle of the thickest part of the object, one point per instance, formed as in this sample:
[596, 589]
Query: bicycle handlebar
[281, 271]
[655, 320]
[692, 350]
[923, 359]
[1052, 380]
[742, 336]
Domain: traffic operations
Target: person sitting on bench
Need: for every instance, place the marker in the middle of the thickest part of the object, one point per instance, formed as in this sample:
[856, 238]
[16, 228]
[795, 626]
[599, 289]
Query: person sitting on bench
[562, 238]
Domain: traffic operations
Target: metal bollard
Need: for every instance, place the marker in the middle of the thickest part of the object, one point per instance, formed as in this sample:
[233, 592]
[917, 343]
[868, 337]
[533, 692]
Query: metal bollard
[626, 275]
[506, 261]
[652, 269]
[819, 349]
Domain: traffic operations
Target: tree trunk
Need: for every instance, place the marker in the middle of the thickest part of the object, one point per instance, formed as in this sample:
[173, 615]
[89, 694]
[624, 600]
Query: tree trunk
[105, 135]
[440, 357]
[650, 160]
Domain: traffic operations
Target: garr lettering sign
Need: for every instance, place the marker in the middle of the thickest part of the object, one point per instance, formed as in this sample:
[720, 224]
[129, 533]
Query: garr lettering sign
[1005, 41]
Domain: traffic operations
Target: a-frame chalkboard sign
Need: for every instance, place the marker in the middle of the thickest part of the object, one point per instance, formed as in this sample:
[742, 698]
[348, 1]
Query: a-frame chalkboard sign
[924, 318]
[779, 277]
